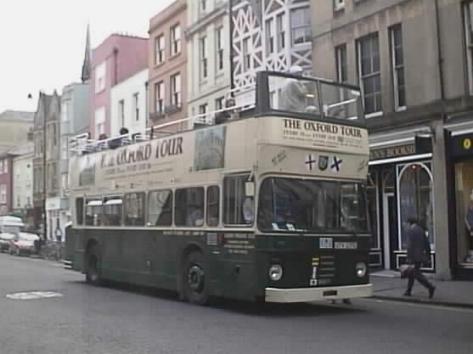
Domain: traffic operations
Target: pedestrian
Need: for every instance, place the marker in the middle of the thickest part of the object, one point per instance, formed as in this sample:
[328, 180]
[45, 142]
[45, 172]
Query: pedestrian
[418, 251]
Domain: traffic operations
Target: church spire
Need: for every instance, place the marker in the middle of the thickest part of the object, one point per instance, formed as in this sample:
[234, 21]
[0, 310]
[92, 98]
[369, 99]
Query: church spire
[86, 65]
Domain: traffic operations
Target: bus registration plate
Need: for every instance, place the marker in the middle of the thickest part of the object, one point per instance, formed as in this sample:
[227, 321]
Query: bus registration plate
[346, 245]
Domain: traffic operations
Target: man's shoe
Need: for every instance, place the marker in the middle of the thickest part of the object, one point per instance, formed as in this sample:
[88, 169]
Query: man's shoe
[431, 292]
[407, 293]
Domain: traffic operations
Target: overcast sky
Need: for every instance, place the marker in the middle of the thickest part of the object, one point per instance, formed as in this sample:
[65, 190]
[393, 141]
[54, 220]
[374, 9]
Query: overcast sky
[43, 41]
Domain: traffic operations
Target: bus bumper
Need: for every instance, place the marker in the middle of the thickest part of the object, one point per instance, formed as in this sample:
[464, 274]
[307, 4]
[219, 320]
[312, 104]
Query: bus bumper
[316, 294]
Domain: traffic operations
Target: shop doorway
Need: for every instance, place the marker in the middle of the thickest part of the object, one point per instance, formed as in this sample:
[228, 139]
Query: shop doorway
[389, 229]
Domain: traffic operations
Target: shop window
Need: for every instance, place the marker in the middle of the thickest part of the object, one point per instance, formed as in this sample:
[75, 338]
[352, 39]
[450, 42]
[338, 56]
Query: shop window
[189, 207]
[160, 208]
[415, 199]
[135, 209]
[112, 211]
[213, 205]
[464, 200]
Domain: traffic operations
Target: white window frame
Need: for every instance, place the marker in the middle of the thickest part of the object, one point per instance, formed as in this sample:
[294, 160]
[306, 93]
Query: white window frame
[338, 5]
[246, 52]
[159, 93]
[306, 27]
[100, 76]
[395, 68]
[121, 111]
[362, 77]
[468, 28]
[281, 31]
[159, 49]
[203, 58]
[175, 39]
[136, 106]
[219, 52]
[269, 36]
[99, 118]
[3, 193]
[176, 88]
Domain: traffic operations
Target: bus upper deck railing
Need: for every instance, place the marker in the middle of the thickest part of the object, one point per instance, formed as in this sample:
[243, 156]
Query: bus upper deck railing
[273, 92]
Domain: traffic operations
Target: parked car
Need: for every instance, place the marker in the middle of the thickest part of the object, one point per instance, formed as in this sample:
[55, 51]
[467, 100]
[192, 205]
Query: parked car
[5, 238]
[23, 243]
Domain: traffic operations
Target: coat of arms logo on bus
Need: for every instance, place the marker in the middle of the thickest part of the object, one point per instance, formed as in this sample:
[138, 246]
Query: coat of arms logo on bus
[323, 163]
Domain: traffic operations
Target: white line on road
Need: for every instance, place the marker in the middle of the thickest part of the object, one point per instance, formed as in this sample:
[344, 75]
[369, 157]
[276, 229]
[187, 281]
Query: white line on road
[33, 295]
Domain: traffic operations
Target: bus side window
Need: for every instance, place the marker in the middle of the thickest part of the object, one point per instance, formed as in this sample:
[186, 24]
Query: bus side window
[135, 209]
[160, 208]
[112, 211]
[238, 209]
[189, 207]
[80, 211]
[213, 205]
[93, 212]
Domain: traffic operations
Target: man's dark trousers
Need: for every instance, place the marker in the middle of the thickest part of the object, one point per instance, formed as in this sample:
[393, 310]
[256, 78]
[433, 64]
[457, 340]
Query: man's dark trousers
[417, 274]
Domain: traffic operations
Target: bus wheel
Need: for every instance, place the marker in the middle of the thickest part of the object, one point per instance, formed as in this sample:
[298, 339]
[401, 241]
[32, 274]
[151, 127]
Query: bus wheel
[194, 282]
[92, 275]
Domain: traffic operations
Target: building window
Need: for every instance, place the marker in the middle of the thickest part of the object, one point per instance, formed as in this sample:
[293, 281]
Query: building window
[121, 112]
[237, 208]
[338, 5]
[246, 54]
[397, 67]
[175, 39]
[219, 103]
[219, 47]
[3, 193]
[159, 96]
[136, 106]
[176, 90]
[468, 11]
[300, 25]
[369, 72]
[203, 57]
[464, 211]
[99, 122]
[159, 47]
[203, 108]
[203, 5]
[100, 71]
[189, 207]
[160, 208]
[341, 63]
[269, 36]
[281, 33]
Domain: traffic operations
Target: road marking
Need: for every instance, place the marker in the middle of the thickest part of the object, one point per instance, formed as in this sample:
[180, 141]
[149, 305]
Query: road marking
[423, 305]
[33, 295]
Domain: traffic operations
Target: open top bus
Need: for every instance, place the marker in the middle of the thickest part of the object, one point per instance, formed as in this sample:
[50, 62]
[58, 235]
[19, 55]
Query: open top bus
[263, 200]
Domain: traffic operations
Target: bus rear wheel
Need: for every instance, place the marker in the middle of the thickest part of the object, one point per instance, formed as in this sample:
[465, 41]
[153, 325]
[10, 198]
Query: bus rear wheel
[92, 274]
[194, 279]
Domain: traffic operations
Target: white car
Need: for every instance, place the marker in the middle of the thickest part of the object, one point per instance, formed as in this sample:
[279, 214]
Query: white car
[23, 243]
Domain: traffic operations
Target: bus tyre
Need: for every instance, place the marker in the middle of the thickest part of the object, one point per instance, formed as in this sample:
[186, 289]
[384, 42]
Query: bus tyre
[194, 282]
[92, 275]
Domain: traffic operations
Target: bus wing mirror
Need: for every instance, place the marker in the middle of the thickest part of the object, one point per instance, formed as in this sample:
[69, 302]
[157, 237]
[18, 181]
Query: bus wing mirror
[249, 189]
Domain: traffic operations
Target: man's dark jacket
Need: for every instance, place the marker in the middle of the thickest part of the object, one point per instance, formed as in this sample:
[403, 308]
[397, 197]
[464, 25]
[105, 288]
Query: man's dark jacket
[418, 246]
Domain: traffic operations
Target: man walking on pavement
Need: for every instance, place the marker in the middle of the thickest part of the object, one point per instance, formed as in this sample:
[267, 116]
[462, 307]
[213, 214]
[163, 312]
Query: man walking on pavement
[418, 250]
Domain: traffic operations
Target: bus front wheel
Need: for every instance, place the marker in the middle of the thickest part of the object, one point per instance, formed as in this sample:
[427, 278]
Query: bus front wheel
[92, 275]
[194, 279]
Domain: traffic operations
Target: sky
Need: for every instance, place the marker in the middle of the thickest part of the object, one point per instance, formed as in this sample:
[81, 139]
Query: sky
[43, 41]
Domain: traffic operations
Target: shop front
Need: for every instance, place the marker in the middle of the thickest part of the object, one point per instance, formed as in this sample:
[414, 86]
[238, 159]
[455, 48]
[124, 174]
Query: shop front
[461, 201]
[400, 186]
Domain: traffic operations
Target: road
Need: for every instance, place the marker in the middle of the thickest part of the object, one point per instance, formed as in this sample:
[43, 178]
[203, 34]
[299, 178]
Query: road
[86, 319]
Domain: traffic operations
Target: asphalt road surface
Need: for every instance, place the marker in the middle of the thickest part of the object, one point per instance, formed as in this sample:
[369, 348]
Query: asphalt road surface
[46, 309]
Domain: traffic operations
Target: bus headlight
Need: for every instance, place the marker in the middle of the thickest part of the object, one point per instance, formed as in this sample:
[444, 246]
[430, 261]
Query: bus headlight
[360, 269]
[275, 272]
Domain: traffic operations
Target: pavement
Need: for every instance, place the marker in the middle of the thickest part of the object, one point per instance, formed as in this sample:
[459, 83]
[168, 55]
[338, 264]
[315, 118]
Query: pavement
[388, 285]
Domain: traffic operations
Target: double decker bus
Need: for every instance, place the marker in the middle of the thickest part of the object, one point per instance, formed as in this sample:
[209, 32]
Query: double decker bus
[263, 201]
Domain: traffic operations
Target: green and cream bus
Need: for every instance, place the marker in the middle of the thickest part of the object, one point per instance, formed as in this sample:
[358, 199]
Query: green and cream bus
[261, 202]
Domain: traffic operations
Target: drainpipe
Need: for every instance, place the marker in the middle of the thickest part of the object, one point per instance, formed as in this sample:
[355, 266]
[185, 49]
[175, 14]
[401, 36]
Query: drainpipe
[439, 54]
